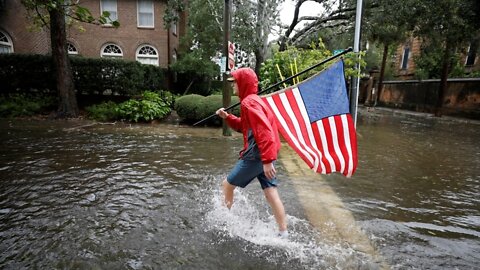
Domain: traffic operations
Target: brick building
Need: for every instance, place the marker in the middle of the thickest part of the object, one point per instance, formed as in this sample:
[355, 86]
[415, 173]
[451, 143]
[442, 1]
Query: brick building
[141, 36]
[404, 64]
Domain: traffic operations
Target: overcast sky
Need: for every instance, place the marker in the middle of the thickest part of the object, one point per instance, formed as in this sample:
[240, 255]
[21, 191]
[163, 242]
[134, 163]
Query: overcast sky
[308, 8]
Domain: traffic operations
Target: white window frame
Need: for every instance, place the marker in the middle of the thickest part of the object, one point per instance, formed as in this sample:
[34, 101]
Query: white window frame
[174, 56]
[8, 44]
[116, 12]
[70, 45]
[147, 56]
[175, 24]
[138, 15]
[111, 55]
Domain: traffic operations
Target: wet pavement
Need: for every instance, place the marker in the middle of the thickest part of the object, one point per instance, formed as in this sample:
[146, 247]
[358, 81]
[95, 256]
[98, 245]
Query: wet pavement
[84, 195]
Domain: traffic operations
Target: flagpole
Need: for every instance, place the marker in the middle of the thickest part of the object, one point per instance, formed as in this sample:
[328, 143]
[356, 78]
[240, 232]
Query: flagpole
[285, 80]
[356, 49]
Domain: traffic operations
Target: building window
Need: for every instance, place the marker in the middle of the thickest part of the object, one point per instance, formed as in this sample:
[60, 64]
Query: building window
[175, 24]
[147, 55]
[72, 50]
[145, 13]
[472, 54]
[6, 45]
[111, 7]
[111, 51]
[174, 56]
[406, 54]
[174, 60]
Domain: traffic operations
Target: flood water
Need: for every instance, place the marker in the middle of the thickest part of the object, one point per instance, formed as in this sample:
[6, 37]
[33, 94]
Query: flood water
[82, 195]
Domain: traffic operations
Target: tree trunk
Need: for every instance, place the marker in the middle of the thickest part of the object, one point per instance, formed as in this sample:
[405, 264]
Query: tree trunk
[259, 58]
[261, 31]
[382, 73]
[68, 106]
[443, 80]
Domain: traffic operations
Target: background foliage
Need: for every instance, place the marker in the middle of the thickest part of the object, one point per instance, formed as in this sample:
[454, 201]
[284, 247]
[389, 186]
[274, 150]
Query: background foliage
[145, 108]
[27, 73]
[304, 58]
[192, 108]
[18, 105]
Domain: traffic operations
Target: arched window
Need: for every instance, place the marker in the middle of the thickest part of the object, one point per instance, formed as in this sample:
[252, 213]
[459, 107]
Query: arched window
[6, 45]
[72, 50]
[111, 51]
[148, 55]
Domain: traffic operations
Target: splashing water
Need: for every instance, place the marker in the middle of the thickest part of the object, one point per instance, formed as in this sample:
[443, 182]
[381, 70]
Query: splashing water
[258, 230]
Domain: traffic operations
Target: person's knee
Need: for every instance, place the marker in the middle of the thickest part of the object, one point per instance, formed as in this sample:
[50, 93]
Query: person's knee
[270, 193]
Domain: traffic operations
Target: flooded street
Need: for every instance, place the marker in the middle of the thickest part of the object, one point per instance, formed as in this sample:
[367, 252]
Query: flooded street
[82, 195]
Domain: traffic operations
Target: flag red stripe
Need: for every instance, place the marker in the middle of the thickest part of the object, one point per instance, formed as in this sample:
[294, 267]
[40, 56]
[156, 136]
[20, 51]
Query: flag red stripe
[353, 142]
[287, 130]
[301, 116]
[316, 127]
[340, 142]
[328, 145]
[329, 141]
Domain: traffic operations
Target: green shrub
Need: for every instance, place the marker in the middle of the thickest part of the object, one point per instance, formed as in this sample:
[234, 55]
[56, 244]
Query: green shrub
[105, 111]
[148, 107]
[33, 73]
[208, 106]
[187, 106]
[16, 105]
[192, 108]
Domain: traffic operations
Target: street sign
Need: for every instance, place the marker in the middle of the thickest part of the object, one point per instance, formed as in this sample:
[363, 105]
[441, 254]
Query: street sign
[231, 55]
[223, 64]
[335, 52]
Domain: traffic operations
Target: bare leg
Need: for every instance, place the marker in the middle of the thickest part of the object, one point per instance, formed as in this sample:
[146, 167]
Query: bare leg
[271, 194]
[228, 193]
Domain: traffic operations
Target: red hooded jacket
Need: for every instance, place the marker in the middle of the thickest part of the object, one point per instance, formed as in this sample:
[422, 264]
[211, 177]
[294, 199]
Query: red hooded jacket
[256, 121]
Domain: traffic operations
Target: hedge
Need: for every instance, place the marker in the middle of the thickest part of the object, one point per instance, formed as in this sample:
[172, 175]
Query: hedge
[192, 108]
[25, 73]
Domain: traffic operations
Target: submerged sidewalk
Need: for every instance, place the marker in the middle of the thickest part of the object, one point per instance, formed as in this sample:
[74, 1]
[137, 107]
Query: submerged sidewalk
[363, 110]
[325, 210]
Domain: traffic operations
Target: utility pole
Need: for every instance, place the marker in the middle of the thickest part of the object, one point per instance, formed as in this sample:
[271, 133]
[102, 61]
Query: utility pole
[356, 49]
[227, 94]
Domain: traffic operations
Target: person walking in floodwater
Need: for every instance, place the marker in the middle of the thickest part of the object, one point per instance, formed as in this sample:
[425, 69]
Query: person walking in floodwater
[261, 145]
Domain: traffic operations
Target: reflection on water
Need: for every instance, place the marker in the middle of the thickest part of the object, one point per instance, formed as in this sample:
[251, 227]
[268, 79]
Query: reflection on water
[417, 190]
[74, 194]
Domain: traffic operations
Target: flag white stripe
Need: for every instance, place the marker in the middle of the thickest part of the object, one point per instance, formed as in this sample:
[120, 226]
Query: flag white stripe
[296, 125]
[336, 147]
[347, 144]
[285, 127]
[308, 125]
[323, 139]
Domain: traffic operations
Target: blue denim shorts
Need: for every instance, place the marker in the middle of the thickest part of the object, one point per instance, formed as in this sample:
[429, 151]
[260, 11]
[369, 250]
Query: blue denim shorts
[246, 170]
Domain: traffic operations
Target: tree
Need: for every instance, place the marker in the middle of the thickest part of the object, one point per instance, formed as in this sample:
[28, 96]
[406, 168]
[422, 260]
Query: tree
[445, 24]
[293, 60]
[52, 14]
[202, 41]
[253, 22]
[387, 24]
[302, 29]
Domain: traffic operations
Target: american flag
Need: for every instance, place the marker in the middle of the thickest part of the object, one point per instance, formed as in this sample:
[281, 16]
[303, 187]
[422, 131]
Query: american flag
[315, 120]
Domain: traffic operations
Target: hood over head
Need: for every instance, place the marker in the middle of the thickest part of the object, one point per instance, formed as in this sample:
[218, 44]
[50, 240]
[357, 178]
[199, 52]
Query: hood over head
[247, 82]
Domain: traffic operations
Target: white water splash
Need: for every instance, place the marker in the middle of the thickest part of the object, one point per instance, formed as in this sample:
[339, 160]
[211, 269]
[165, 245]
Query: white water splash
[246, 222]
